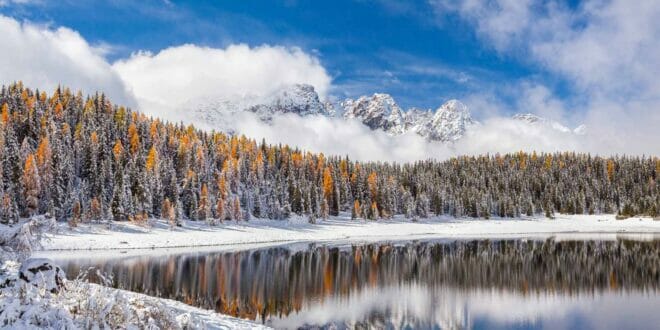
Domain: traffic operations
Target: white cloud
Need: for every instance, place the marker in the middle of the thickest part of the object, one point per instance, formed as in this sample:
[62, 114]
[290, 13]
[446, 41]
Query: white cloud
[501, 21]
[180, 75]
[45, 58]
[506, 135]
[336, 136]
[606, 51]
[4, 3]
[615, 52]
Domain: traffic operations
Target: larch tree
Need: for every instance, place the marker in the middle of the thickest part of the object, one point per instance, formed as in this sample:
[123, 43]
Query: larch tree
[31, 185]
[91, 151]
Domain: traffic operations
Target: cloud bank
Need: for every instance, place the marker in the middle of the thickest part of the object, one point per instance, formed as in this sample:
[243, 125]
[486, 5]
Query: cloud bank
[605, 50]
[45, 58]
[183, 74]
[336, 136]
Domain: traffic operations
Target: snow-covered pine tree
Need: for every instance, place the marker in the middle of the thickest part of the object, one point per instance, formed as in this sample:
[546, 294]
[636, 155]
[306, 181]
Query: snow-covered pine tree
[88, 149]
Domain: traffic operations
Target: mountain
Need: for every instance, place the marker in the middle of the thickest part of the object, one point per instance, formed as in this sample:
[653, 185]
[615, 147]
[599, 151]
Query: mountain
[447, 124]
[300, 99]
[533, 119]
[377, 112]
[450, 122]
[217, 114]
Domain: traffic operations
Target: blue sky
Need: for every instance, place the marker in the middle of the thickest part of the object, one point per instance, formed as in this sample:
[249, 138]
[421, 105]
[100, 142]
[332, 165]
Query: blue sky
[591, 62]
[404, 48]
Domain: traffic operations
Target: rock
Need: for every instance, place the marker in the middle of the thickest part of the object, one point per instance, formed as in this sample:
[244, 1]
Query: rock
[42, 271]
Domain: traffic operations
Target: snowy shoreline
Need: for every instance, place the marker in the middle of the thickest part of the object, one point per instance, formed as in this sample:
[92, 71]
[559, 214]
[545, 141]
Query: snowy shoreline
[198, 235]
[82, 304]
[35, 293]
[127, 239]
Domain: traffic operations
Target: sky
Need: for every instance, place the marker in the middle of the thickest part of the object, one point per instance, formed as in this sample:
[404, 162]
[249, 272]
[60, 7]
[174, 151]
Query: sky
[396, 47]
[592, 62]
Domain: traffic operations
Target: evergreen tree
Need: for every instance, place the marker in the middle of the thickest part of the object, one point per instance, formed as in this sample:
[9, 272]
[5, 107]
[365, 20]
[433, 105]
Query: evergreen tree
[31, 185]
[89, 155]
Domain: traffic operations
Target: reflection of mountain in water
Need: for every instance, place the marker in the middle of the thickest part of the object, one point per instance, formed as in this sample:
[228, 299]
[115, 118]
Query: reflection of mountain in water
[394, 279]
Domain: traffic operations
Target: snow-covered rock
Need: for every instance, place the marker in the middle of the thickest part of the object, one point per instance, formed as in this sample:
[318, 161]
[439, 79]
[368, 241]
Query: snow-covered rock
[447, 124]
[378, 111]
[85, 305]
[42, 272]
[220, 114]
[450, 122]
[300, 99]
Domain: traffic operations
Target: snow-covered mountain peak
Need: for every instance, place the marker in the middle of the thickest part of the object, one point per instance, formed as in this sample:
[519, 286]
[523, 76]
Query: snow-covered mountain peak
[373, 106]
[450, 122]
[218, 113]
[457, 106]
[378, 111]
[529, 118]
[416, 115]
[300, 99]
[537, 120]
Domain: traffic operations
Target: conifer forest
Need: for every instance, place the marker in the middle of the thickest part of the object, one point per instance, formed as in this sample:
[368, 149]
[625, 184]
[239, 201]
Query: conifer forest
[82, 158]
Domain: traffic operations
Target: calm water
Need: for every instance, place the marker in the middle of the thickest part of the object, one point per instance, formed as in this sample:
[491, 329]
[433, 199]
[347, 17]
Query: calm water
[511, 284]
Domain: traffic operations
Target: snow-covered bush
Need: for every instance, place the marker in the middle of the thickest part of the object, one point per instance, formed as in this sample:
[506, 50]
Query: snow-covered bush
[79, 305]
[26, 236]
[42, 272]
[35, 294]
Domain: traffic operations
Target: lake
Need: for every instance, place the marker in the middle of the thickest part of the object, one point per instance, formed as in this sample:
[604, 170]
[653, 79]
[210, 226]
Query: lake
[429, 284]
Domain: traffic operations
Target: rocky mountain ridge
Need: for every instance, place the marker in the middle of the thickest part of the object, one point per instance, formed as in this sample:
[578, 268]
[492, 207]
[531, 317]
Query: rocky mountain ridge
[448, 123]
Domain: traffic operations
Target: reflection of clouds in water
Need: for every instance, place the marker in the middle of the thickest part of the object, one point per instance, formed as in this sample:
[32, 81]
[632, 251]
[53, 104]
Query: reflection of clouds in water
[420, 306]
[417, 284]
[606, 310]
[409, 304]
[507, 307]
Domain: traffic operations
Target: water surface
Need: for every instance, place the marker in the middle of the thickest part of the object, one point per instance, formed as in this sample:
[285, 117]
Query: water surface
[509, 284]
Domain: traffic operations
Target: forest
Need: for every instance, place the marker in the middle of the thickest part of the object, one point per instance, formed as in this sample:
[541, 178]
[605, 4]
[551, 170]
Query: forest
[82, 158]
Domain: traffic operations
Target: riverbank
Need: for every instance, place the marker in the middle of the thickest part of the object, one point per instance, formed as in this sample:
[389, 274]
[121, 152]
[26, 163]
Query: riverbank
[129, 236]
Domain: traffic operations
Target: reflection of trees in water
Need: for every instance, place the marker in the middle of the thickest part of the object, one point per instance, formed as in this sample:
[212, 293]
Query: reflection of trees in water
[277, 281]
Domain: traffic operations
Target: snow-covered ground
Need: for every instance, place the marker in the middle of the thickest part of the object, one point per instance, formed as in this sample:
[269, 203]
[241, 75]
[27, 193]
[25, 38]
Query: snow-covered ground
[86, 305]
[31, 298]
[125, 236]
[126, 308]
